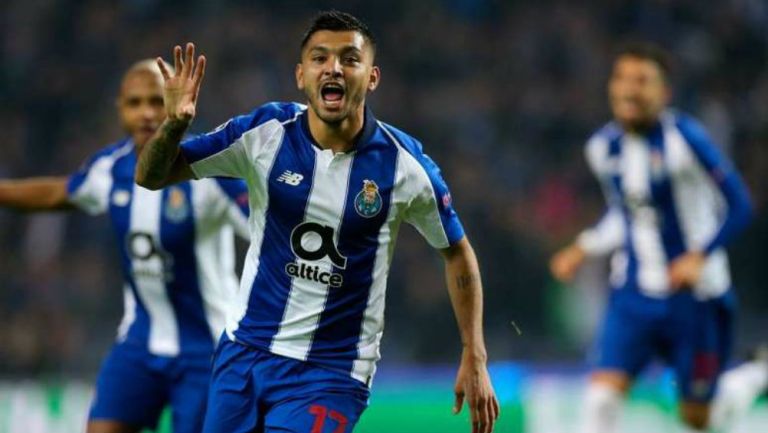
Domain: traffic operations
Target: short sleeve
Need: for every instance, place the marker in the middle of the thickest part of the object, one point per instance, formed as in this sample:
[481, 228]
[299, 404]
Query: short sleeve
[430, 209]
[88, 188]
[229, 149]
[608, 234]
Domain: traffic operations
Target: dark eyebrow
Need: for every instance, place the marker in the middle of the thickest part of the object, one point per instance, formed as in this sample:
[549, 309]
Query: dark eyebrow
[320, 49]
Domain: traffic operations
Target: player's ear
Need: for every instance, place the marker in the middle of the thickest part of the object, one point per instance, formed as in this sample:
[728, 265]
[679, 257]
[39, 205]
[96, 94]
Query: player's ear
[299, 77]
[374, 78]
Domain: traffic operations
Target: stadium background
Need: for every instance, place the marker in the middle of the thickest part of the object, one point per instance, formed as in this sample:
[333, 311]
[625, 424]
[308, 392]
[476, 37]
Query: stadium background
[502, 93]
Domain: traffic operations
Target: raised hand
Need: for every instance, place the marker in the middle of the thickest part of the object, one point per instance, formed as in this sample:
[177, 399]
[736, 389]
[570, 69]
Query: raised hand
[182, 87]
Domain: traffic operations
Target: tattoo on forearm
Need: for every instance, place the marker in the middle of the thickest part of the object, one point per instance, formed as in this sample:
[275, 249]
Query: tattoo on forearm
[158, 155]
[464, 282]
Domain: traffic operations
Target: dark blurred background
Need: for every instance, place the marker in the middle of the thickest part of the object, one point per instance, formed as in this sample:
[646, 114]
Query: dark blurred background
[502, 93]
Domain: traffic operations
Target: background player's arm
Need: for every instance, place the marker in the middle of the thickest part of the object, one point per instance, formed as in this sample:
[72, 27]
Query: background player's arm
[464, 285]
[602, 238]
[160, 161]
[686, 269]
[35, 194]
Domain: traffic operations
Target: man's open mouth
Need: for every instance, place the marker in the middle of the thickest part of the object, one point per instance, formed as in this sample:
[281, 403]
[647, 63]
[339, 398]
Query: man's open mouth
[332, 93]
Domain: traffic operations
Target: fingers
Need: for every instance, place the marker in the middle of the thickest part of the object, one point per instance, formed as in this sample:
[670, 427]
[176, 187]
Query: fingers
[177, 59]
[197, 77]
[163, 69]
[189, 60]
[496, 408]
[481, 411]
[458, 402]
[677, 277]
[493, 412]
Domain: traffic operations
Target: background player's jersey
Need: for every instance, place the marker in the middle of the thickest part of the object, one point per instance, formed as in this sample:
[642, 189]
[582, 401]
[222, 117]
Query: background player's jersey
[669, 191]
[323, 227]
[176, 248]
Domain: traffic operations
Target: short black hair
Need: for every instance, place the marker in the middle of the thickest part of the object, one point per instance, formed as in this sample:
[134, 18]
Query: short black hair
[648, 51]
[337, 21]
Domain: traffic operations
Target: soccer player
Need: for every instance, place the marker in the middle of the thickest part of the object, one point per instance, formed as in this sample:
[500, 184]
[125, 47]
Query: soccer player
[674, 202]
[177, 250]
[329, 185]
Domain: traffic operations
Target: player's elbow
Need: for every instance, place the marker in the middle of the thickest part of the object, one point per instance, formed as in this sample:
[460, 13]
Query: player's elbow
[460, 249]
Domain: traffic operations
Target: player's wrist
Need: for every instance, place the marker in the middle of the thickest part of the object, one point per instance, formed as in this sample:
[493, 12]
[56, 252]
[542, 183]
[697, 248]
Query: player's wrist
[475, 354]
[173, 129]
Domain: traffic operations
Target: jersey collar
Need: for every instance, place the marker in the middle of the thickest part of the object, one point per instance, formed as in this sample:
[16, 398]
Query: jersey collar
[363, 138]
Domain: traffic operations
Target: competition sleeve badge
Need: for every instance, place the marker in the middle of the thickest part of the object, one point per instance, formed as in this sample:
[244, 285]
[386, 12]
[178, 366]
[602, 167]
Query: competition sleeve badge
[368, 201]
[176, 205]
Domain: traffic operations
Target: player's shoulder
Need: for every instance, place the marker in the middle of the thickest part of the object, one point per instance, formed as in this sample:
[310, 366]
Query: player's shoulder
[402, 139]
[415, 161]
[607, 133]
[691, 128]
[279, 111]
[599, 143]
[113, 151]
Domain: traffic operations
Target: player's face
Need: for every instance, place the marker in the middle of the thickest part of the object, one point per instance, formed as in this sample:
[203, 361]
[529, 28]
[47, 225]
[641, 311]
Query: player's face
[140, 105]
[638, 92]
[336, 72]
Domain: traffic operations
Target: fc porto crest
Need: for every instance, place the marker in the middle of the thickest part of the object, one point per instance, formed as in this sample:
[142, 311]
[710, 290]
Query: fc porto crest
[176, 205]
[368, 201]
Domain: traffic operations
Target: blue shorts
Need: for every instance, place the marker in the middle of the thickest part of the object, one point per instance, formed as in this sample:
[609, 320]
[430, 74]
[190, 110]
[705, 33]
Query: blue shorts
[134, 387]
[694, 337]
[254, 391]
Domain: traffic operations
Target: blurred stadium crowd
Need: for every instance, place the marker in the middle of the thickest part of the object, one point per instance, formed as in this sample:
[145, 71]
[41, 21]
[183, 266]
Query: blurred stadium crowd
[503, 94]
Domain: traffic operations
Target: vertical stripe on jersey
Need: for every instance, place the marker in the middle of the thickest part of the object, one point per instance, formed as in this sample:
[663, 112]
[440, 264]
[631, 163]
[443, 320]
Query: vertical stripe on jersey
[661, 189]
[285, 210]
[372, 325]
[178, 239]
[338, 333]
[630, 270]
[120, 200]
[149, 269]
[308, 298]
[129, 313]
[646, 240]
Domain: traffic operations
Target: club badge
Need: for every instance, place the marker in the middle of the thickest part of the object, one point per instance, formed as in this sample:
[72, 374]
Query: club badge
[368, 200]
[176, 205]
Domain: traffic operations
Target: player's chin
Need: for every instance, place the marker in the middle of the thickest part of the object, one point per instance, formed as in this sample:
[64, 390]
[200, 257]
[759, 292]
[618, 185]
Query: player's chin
[331, 115]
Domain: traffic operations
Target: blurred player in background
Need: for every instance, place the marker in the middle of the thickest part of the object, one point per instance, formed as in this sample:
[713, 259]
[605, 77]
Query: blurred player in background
[674, 202]
[329, 186]
[177, 250]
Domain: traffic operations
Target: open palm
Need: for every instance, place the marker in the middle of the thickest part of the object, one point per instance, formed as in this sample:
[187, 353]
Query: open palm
[183, 85]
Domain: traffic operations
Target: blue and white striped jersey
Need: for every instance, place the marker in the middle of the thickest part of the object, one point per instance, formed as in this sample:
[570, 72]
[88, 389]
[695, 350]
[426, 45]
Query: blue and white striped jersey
[176, 248]
[323, 228]
[669, 191]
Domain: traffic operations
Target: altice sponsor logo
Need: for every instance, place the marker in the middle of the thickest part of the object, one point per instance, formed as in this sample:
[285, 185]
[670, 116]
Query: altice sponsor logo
[326, 247]
[314, 273]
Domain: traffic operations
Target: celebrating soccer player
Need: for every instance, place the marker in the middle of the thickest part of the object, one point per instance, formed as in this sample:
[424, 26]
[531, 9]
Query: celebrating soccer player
[329, 185]
[177, 255]
[674, 202]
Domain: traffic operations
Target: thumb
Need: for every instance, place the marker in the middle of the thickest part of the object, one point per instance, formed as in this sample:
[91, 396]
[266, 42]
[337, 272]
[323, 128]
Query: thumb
[458, 402]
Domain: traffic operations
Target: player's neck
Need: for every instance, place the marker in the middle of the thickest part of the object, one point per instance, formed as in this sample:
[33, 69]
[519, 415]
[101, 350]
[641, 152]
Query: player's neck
[339, 137]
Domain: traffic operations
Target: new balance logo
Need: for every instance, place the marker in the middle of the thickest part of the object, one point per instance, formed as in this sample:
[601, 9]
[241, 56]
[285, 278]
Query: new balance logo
[291, 178]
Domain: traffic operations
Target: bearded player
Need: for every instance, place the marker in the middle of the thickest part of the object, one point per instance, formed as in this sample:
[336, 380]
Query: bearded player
[329, 186]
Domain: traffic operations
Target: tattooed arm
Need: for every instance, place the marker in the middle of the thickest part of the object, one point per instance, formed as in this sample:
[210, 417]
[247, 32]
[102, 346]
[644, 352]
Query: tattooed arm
[466, 292]
[160, 162]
